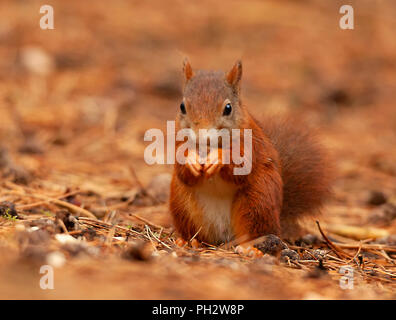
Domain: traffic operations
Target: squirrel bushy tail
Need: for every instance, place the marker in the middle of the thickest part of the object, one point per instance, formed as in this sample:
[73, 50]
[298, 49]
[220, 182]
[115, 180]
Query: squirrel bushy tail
[306, 172]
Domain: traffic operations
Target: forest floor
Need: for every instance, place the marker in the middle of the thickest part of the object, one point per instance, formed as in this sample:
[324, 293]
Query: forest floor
[75, 102]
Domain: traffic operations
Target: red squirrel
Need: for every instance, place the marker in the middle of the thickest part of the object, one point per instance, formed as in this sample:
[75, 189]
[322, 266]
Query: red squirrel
[289, 179]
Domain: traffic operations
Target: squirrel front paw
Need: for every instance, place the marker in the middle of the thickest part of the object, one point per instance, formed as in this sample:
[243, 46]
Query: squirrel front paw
[192, 163]
[213, 163]
[199, 167]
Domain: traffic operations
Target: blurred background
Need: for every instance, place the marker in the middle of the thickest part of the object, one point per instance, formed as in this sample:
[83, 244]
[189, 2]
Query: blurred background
[76, 101]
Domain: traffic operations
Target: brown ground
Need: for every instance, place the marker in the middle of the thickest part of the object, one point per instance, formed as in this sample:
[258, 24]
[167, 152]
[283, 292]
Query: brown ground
[75, 103]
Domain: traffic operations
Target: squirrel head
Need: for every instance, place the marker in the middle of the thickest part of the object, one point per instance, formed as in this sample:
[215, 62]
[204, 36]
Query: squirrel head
[211, 99]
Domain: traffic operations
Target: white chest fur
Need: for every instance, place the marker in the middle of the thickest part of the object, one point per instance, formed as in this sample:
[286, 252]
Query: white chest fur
[215, 197]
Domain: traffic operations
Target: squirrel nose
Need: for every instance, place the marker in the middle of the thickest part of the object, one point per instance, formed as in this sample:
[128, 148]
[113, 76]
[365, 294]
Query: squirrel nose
[202, 124]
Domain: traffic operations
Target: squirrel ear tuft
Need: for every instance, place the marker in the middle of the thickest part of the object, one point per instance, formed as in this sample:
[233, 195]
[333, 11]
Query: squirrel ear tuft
[234, 76]
[187, 70]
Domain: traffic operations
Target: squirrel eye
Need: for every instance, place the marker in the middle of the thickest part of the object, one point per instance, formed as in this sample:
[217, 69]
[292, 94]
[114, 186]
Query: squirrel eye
[227, 109]
[183, 108]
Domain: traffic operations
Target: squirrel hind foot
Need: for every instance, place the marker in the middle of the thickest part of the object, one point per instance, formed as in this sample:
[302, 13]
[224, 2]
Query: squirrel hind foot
[194, 243]
[248, 251]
